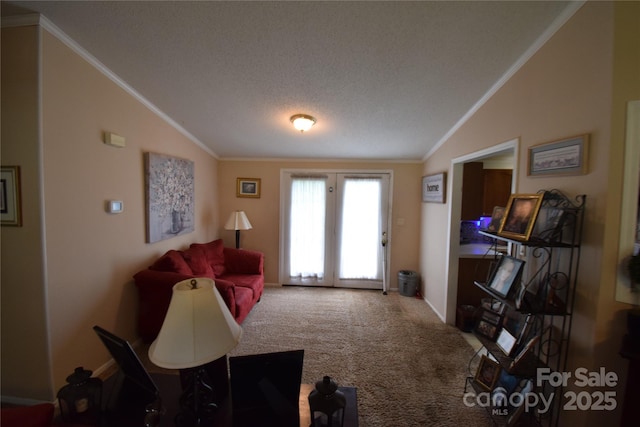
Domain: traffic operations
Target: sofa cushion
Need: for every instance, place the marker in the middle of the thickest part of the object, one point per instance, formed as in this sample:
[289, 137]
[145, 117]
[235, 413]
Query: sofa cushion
[243, 261]
[197, 261]
[214, 253]
[172, 261]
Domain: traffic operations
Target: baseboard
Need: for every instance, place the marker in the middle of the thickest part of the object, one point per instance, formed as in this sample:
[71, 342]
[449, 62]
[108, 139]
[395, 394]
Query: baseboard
[440, 316]
[273, 285]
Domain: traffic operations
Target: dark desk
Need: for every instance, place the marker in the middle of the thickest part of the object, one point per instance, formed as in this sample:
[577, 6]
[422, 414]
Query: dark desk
[170, 390]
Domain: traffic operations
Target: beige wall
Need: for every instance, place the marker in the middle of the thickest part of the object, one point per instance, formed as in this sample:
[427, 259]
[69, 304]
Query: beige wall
[264, 213]
[566, 88]
[23, 311]
[80, 263]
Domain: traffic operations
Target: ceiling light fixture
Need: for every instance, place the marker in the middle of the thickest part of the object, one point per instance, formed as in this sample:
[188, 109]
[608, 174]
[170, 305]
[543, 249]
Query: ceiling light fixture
[302, 122]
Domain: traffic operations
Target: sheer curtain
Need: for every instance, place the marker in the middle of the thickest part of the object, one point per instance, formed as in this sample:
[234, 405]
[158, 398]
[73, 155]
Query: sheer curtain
[361, 228]
[307, 230]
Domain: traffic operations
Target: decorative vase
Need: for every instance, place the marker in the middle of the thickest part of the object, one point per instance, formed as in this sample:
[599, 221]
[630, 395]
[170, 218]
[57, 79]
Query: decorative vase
[176, 221]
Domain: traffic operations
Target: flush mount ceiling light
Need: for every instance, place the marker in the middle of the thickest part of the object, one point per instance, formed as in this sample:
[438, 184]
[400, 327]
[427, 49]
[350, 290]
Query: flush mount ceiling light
[302, 122]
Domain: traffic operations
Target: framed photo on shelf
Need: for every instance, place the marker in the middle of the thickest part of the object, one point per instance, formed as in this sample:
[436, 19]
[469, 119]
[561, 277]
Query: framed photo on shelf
[526, 349]
[520, 216]
[248, 187]
[548, 225]
[506, 342]
[487, 329]
[507, 273]
[487, 373]
[433, 187]
[491, 317]
[496, 219]
[567, 156]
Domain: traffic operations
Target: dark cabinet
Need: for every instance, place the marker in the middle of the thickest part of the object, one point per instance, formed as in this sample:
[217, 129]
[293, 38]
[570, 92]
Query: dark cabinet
[482, 189]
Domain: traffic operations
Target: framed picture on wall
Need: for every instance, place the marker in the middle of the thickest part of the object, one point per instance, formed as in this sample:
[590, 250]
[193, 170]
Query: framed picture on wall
[170, 196]
[10, 203]
[562, 157]
[248, 187]
[433, 187]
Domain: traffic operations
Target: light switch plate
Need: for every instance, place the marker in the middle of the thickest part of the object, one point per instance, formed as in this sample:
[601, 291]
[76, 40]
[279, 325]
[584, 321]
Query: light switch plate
[114, 206]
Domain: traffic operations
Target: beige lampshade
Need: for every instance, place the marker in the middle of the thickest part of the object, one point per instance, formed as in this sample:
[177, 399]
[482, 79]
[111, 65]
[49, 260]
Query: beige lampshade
[197, 329]
[238, 221]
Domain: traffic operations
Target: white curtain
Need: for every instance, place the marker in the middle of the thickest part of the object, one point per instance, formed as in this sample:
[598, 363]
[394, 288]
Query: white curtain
[361, 229]
[307, 232]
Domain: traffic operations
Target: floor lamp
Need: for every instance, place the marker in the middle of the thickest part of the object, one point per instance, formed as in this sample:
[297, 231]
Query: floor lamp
[238, 221]
[197, 329]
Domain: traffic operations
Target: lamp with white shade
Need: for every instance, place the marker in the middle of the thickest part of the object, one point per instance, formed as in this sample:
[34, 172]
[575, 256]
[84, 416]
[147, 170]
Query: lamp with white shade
[198, 329]
[238, 221]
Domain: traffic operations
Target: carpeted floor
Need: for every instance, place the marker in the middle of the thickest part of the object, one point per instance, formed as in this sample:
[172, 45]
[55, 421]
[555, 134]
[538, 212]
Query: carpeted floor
[408, 367]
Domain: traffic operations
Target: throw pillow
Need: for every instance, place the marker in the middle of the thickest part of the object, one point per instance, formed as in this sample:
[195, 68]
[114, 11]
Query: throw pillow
[214, 252]
[172, 261]
[197, 260]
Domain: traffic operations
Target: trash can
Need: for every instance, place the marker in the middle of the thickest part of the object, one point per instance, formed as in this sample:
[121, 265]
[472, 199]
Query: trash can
[465, 317]
[408, 283]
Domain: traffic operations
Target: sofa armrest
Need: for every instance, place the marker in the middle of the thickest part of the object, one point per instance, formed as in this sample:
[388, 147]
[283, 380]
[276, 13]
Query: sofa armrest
[243, 261]
[227, 292]
[154, 291]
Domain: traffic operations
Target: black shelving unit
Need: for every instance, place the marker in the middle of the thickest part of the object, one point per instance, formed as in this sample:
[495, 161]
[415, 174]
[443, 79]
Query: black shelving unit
[551, 264]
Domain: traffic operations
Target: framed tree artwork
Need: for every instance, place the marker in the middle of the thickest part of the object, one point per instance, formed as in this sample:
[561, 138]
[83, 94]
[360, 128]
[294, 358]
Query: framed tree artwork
[169, 196]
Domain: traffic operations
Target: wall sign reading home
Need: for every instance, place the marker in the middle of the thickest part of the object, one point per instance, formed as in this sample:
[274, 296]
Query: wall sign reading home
[433, 188]
[170, 196]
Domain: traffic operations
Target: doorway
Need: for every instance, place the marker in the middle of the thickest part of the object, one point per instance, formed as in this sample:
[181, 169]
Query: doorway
[331, 228]
[509, 148]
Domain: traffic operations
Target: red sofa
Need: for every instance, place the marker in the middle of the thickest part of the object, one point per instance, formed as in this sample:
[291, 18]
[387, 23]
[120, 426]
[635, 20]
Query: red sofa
[238, 275]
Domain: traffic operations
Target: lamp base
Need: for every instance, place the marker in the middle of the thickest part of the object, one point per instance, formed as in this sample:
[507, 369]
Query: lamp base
[197, 402]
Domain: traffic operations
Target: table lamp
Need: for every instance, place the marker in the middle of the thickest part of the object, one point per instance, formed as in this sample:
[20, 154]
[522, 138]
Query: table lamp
[197, 329]
[238, 221]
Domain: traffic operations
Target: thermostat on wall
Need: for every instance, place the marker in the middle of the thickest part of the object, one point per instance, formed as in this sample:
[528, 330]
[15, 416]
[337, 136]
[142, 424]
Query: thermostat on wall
[115, 206]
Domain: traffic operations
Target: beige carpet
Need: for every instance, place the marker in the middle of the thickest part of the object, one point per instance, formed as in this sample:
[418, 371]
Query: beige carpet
[408, 367]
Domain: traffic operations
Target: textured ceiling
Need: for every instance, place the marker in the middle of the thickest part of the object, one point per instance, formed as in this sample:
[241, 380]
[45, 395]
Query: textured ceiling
[385, 80]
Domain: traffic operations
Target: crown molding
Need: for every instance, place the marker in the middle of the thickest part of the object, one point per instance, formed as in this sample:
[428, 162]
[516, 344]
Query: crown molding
[21, 20]
[524, 58]
[43, 22]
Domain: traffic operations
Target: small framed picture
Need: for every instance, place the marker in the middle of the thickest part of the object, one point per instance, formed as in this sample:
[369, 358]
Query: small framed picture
[10, 203]
[491, 317]
[507, 273]
[496, 219]
[529, 347]
[548, 225]
[433, 187]
[487, 329]
[506, 341]
[248, 187]
[520, 216]
[487, 373]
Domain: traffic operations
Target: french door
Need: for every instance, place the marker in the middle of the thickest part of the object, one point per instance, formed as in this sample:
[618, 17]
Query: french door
[332, 228]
